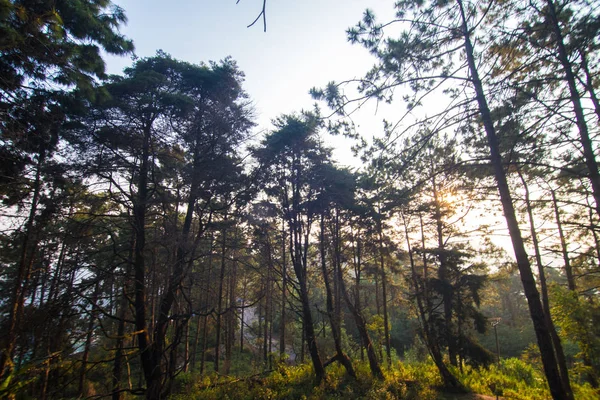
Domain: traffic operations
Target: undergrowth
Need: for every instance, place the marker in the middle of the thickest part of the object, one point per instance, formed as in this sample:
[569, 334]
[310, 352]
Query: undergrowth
[512, 379]
[516, 379]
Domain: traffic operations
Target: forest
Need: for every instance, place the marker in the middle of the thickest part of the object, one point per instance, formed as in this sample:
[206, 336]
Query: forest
[154, 245]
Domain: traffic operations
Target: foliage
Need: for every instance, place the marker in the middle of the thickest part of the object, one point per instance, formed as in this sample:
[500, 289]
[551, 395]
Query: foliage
[296, 382]
[578, 318]
[515, 379]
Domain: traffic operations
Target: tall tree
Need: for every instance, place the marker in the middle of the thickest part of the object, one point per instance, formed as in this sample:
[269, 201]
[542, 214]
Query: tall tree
[288, 158]
[166, 121]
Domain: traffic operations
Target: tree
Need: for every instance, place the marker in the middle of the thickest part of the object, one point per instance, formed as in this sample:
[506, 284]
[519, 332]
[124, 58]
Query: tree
[166, 121]
[336, 189]
[288, 158]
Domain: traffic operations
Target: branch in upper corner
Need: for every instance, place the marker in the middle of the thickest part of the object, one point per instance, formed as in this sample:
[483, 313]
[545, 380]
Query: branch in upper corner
[262, 14]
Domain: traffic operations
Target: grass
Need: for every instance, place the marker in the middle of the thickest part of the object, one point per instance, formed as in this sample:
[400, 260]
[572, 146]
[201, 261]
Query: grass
[513, 379]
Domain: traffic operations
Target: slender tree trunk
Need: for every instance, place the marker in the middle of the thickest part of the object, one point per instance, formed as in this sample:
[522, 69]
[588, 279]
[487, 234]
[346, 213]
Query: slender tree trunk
[361, 326]
[384, 301]
[268, 301]
[23, 271]
[444, 275]
[340, 356]
[299, 241]
[157, 389]
[302, 343]
[231, 317]
[584, 136]
[357, 273]
[271, 330]
[425, 266]
[559, 392]
[307, 319]
[186, 351]
[309, 331]
[244, 291]
[558, 349]
[593, 225]
[46, 373]
[88, 340]
[563, 243]
[139, 266]
[265, 327]
[118, 364]
[206, 301]
[423, 306]
[220, 295]
[283, 292]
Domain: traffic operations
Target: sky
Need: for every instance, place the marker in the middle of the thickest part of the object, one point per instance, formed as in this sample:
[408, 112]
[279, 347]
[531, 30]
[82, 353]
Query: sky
[304, 46]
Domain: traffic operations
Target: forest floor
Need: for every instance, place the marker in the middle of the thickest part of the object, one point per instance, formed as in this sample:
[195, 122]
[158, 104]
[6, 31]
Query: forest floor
[515, 379]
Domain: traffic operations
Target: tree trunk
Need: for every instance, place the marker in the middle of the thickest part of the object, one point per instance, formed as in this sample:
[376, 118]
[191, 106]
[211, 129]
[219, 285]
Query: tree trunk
[384, 301]
[159, 383]
[357, 261]
[307, 319]
[584, 136]
[118, 364]
[206, 301]
[444, 276]
[363, 332]
[283, 293]
[17, 301]
[563, 244]
[231, 316]
[558, 349]
[150, 370]
[268, 301]
[88, 340]
[536, 310]
[220, 295]
[244, 291]
[340, 356]
[424, 308]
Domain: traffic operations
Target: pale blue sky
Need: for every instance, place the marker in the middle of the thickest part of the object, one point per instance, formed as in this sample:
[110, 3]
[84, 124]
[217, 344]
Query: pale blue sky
[304, 46]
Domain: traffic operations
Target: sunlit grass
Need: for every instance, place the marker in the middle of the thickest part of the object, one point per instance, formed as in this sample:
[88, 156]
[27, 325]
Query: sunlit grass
[513, 379]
